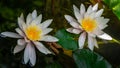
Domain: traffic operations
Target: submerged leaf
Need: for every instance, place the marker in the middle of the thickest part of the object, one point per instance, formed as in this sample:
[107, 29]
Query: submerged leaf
[88, 59]
[114, 5]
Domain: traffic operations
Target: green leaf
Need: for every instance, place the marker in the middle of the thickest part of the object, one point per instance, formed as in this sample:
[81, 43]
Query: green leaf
[66, 40]
[87, 59]
[115, 6]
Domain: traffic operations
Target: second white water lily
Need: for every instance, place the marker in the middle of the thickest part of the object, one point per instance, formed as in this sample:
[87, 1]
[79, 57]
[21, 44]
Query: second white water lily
[89, 24]
[29, 34]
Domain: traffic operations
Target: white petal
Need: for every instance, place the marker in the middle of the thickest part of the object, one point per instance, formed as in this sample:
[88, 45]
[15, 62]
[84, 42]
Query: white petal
[26, 54]
[18, 48]
[105, 36]
[22, 17]
[89, 10]
[72, 21]
[81, 40]
[11, 34]
[21, 42]
[102, 22]
[99, 13]
[46, 31]
[98, 31]
[29, 18]
[73, 30]
[95, 43]
[92, 15]
[106, 20]
[34, 14]
[90, 43]
[49, 38]
[21, 22]
[41, 48]
[77, 13]
[46, 23]
[82, 9]
[70, 30]
[32, 55]
[38, 19]
[19, 32]
[95, 7]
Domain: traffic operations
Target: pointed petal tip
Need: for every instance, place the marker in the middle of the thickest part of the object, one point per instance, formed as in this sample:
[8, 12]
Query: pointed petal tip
[11, 34]
[105, 36]
[51, 20]
[34, 11]
[21, 15]
[65, 16]
[74, 6]
[95, 7]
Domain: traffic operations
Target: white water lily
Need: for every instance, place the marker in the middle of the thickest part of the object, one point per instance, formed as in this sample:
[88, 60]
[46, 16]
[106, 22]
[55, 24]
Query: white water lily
[89, 24]
[29, 34]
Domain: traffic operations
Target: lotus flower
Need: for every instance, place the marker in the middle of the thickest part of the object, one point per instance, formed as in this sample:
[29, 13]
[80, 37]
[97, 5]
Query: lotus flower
[89, 24]
[30, 35]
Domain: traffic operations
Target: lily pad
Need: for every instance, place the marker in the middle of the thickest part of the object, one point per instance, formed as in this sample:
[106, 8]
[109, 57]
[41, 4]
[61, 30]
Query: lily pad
[66, 40]
[114, 5]
[88, 59]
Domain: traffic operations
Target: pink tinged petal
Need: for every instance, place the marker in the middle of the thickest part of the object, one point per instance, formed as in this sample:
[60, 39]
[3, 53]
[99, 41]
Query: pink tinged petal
[82, 9]
[18, 48]
[21, 42]
[29, 54]
[72, 21]
[20, 32]
[27, 40]
[46, 31]
[98, 31]
[37, 20]
[46, 23]
[77, 13]
[81, 40]
[70, 30]
[105, 36]
[99, 13]
[49, 38]
[26, 54]
[41, 48]
[34, 14]
[77, 31]
[90, 42]
[95, 7]
[73, 30]
[91, 34]
[102, 23]
[32, 55]
[29, 18]
[11, 34]
[95, 43]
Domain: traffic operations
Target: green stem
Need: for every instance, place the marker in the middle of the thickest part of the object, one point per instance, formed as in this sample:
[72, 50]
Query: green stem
[111, 41]
[116, 41]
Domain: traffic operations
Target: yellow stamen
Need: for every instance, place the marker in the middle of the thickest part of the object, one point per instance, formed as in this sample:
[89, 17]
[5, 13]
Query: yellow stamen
[33, 32]
[88, 24]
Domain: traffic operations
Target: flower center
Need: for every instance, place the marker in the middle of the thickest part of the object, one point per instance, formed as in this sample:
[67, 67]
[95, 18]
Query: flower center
[33, 32]
[88, 24]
